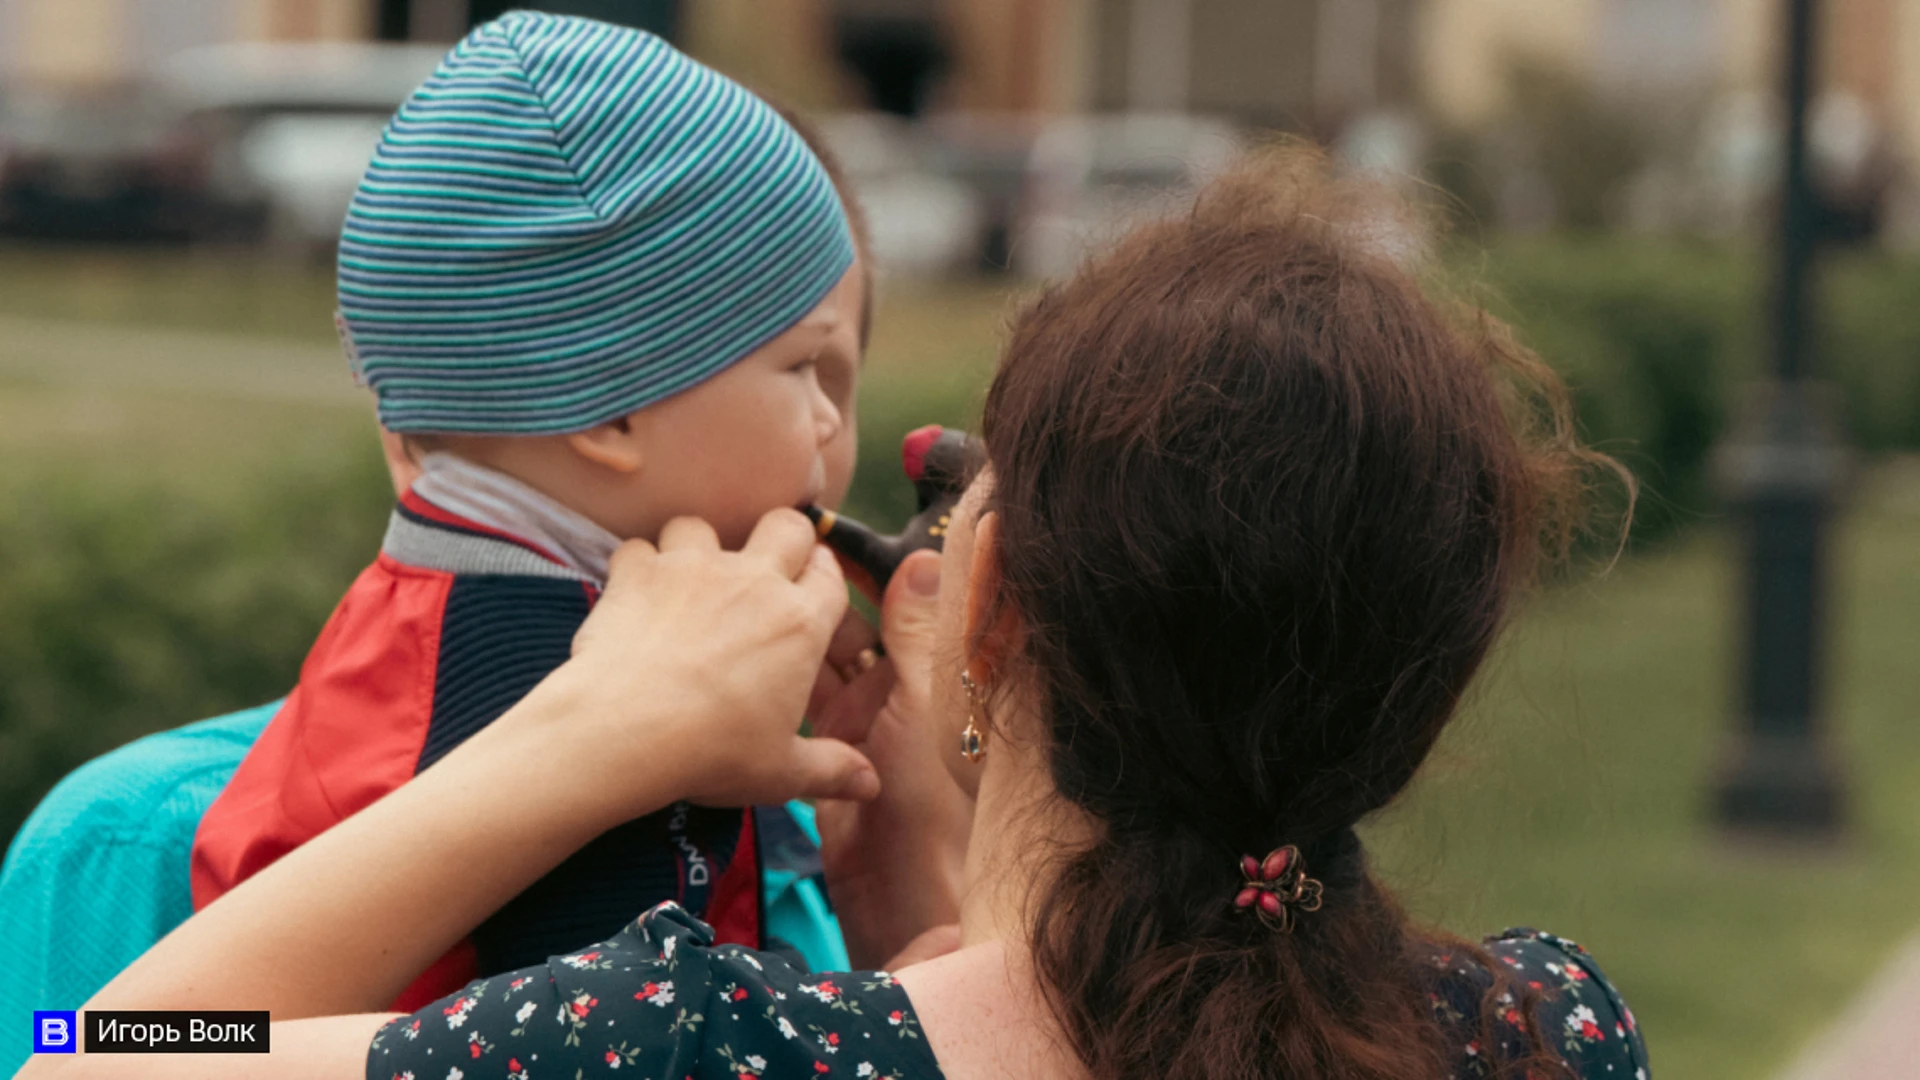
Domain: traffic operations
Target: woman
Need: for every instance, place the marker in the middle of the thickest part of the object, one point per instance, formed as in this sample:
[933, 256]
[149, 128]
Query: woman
[1254, 512]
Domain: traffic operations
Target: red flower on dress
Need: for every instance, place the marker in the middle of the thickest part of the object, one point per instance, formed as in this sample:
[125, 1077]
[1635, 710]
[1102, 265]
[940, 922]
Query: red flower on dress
[1277, 888]
[740, 994]
[473, 1049]
[612, 1057]
[820, 1066]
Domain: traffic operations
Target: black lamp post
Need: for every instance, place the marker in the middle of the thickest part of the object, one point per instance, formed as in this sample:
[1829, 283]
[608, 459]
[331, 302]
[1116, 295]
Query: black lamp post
[1783, 470]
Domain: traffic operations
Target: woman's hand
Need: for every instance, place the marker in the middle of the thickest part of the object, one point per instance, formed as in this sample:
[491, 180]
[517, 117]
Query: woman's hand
[698, 661]
[894, 865]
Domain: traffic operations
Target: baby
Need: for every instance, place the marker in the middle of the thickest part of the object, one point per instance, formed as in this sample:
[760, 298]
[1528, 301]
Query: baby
[594, 286]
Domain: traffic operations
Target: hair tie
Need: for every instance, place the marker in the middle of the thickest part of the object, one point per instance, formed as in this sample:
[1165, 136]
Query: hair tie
[1277, 887]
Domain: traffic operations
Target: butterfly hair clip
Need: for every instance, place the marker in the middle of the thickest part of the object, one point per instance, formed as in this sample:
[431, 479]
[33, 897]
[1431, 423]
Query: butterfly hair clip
[1277, 888]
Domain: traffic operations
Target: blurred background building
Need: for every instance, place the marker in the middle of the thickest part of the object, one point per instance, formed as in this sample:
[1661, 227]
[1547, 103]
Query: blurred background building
[1648, 114]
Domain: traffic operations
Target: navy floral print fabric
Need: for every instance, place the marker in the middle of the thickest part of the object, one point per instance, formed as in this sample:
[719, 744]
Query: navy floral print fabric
[661, 1001]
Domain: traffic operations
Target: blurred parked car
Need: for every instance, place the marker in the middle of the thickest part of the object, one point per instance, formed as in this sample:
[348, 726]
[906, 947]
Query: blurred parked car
[990, 153]
[287, 129]
[923, 221]
[103, 166]
[1090, 178]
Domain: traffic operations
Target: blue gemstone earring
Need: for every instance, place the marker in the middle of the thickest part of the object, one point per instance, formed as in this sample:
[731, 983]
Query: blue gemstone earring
[972, 740]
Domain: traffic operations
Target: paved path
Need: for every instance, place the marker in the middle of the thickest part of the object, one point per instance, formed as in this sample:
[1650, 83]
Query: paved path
[63, 355]
[1878, 1037]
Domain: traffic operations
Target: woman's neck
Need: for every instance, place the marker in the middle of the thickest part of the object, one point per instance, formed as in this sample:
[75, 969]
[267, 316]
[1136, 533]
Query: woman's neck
[982, 1007]
[1021, 828]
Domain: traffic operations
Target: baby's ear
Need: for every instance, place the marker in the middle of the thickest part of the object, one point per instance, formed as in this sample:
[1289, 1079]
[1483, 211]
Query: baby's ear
[615, 444]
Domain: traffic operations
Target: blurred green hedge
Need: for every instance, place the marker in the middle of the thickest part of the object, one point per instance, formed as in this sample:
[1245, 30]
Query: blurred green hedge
[1659, 342]
[131, 608]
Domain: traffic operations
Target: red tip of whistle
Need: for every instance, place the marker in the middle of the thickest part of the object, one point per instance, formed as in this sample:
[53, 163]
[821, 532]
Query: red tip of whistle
[913, 450]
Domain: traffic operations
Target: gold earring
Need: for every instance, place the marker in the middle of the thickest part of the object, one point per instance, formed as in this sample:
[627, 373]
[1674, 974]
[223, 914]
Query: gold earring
[973, 741]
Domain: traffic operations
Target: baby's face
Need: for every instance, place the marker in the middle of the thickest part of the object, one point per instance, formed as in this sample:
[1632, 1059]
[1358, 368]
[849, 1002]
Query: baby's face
[775, 429]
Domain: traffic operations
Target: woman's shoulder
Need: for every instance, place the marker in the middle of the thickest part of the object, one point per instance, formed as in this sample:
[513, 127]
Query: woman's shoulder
[1578, 1012]
[661, 998]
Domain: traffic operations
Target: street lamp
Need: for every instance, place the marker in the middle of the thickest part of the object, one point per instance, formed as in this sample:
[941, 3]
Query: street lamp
[1783, 471]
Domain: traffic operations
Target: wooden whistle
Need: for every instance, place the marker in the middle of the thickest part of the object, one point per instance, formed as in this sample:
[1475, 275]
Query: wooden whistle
[939, 461]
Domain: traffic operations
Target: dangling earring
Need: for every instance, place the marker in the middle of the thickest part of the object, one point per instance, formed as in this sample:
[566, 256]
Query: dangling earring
[973, 740]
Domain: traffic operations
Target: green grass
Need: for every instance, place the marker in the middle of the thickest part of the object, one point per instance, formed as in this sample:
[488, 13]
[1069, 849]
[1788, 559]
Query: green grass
[1570, 796]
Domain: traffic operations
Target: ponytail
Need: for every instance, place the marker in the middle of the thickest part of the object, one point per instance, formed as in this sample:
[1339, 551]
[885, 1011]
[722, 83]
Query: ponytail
[1262, 510]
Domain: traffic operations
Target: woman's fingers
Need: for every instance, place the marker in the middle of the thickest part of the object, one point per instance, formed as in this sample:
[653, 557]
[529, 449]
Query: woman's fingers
[830, 769]
[688, 534]
[848, 710]
[630, 552]
[850, 654]
[853, 636]
[909, 612]
[784, 538]
[825, 586]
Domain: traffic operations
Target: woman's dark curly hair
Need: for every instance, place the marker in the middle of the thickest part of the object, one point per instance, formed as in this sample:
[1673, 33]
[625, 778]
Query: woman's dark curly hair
[1264, 506]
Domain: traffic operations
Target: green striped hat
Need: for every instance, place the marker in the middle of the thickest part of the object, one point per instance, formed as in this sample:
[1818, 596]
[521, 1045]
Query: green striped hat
[570, 221]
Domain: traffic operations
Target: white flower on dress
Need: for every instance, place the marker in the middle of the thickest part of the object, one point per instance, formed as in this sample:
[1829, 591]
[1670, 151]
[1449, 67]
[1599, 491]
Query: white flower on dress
[526, 1010]
[866, 1069]
[1582, 1022]
[748, 959]
[666, 948]
[456, 1013]
[757, 1062]
[455, 1073]
[786, 1029]
[824, 990]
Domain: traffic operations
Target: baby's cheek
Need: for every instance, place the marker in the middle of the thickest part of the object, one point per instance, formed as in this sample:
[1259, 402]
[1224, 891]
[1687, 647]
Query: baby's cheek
[840, 455]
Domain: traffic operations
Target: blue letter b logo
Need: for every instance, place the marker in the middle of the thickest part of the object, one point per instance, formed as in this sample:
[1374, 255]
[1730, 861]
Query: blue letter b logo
[53, 1032]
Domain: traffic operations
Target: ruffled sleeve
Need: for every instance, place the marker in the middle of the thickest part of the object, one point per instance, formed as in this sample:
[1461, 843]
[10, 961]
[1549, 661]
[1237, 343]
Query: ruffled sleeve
[1582, 1015]
[660, 999]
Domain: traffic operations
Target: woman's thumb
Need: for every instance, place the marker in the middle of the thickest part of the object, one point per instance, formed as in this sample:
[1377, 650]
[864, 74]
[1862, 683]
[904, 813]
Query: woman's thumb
[830, 769]
[907, 611]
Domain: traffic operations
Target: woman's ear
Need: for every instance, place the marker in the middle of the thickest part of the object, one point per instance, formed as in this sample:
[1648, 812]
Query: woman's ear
[992, 626]
[616, 444]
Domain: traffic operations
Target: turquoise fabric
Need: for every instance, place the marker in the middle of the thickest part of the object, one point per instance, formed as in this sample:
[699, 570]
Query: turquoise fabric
[99, 872]
[797, 908]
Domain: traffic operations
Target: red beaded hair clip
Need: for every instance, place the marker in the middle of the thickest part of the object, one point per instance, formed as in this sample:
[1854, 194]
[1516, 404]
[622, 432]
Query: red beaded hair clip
[1277, 887]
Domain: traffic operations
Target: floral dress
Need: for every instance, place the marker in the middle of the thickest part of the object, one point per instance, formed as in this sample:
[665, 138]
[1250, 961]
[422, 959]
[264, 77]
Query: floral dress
[661, 1001]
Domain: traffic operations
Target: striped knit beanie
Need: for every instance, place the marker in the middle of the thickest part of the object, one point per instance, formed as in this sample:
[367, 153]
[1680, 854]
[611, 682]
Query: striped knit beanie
[570, 221]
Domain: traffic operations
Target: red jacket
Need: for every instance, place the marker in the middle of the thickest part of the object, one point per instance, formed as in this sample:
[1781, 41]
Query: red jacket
[450, 626]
